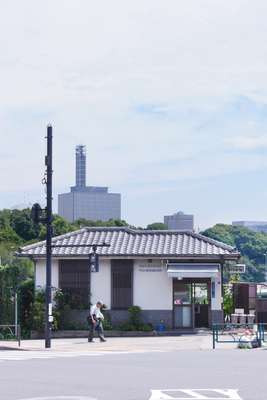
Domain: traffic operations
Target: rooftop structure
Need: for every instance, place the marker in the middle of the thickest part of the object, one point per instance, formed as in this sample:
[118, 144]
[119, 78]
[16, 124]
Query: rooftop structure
[179, 221]
[88, 202]
[80, 166]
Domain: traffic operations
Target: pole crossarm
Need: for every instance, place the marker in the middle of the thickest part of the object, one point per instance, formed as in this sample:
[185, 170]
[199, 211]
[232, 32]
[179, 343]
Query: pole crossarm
[81, 245]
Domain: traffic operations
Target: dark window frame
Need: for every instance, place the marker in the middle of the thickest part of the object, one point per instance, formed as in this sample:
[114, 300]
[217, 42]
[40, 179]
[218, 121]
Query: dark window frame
[123, 266]
[73, 279]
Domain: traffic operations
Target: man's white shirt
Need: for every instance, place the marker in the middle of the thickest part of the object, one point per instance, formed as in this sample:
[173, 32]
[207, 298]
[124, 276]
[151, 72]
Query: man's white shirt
[96, 311]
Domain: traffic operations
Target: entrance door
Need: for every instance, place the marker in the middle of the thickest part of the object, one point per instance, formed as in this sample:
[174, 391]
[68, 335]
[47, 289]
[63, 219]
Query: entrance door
[182, 304]
[201, 300]
[191, 303]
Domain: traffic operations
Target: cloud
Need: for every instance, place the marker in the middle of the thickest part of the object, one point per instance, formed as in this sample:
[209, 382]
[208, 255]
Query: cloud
[154, 91]
[247, 142]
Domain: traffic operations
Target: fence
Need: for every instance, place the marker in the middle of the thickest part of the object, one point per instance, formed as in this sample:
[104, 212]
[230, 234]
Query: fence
[238, 333]
[10, 332]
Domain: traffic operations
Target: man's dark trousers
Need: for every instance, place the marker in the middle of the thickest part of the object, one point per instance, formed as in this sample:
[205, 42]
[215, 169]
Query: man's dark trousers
[97, 326]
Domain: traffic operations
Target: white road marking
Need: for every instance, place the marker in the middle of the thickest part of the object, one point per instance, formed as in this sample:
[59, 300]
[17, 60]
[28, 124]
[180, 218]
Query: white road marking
[11, 355]
[198, 394]
[61, 398]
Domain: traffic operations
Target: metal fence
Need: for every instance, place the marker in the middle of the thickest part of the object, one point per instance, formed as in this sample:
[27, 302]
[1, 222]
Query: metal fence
[10, 332]
[239, 333]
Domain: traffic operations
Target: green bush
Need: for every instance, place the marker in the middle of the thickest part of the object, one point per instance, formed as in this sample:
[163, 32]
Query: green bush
[38, 313]
[135, 322]
[135, 317]
[107, 325]
[147, 328]
[126, 326]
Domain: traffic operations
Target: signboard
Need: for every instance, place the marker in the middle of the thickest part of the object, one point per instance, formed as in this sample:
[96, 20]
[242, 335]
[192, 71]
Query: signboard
[150, 268]
[94, 262]
[237, 269]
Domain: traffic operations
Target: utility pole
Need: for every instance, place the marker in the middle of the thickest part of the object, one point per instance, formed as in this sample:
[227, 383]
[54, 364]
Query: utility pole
[48, 297]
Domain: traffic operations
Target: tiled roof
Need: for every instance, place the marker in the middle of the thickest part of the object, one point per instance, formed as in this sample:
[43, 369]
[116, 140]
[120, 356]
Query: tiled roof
[124, 241]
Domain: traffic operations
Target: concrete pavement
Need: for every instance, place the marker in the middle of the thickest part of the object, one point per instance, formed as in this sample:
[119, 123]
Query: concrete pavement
[165, 343]
[188, 374]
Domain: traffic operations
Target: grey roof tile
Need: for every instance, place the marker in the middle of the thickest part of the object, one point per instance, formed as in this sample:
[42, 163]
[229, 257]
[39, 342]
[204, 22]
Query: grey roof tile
[129, 242]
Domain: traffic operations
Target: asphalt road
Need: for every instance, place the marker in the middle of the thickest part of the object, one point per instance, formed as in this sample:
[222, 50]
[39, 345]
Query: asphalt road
[133, 376]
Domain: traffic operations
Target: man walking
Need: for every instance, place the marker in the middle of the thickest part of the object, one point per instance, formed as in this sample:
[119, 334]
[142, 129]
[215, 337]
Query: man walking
[95, 321]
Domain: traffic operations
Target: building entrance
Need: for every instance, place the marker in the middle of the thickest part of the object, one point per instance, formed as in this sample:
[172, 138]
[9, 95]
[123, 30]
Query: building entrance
[191, 303]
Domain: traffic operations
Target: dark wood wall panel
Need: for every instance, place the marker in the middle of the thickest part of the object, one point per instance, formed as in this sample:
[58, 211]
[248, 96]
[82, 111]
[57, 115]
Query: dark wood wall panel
[121, 284]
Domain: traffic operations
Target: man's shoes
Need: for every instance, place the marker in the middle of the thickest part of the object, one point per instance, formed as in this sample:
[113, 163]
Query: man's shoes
[91, 341]
[102, 340]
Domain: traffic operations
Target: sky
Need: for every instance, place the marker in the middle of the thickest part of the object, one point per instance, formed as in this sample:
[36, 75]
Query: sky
[170, 98]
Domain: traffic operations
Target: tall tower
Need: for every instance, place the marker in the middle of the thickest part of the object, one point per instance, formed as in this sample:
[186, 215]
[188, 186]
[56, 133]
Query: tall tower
[80, 166]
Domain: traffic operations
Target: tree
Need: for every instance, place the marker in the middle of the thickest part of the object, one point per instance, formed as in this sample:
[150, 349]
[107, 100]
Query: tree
[9, 237]
[155, 226]
[20, 221]
[252, 246]
[82, 222]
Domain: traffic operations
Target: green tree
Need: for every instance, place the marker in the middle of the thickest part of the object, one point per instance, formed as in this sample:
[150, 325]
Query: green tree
[252, 246]
[155, 226]
[20, 221]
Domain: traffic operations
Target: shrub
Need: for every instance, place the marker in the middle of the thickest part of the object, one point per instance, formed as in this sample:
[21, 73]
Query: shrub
[135, 317]
[135, 322]
[38, 313]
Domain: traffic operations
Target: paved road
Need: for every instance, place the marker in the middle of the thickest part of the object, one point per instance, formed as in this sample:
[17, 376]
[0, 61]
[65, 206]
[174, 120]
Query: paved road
[125, 376]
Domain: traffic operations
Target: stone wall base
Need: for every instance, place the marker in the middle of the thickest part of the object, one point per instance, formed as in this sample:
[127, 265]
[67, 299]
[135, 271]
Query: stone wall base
[118, 317]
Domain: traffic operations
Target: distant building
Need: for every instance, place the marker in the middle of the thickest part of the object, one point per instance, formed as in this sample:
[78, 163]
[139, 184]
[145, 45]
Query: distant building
[180, 221]
[256, 226]
[88, 202]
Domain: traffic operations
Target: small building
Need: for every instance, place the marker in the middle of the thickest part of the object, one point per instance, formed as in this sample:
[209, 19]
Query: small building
[173, 276]
[179, 221]
[88, 202]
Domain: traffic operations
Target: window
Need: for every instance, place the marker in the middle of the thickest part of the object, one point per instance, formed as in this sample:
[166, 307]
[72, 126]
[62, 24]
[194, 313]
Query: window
[122, 284]
[73, 280]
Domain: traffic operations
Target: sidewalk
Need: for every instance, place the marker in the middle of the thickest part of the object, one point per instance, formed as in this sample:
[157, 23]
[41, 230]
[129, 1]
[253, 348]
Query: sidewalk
[140, 344]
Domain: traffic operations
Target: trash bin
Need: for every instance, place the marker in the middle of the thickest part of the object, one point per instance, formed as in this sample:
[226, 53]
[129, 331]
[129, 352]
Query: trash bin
[242, 319]
[161, 327]
[250, 318]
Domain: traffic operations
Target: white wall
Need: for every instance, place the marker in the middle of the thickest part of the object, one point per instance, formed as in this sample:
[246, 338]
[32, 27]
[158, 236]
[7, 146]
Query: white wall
[40, 273]
[216, 302]
[101, 283]
[152, 286]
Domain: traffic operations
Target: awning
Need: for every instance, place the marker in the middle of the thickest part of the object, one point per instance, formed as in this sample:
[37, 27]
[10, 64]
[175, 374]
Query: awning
[192, 270]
